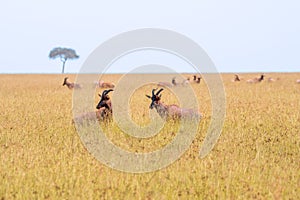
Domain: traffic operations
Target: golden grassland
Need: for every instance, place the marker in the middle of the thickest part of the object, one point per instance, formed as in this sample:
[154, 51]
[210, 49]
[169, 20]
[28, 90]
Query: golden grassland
[256, 157]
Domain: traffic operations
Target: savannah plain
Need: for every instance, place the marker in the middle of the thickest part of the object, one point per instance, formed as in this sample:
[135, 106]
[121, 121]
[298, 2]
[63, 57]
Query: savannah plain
[256, 157]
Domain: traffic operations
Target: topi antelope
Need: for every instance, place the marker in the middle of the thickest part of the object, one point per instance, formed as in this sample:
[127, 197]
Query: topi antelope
[167, 84]
[104, 110]
[273, 79]
[71, 85]
[186, 82]
[164, 84]
[174, 83]
[194, 78]
[256, 80]
[102, 84]
[197, 79]
[236, 78]
[170, 111]
[105, 101]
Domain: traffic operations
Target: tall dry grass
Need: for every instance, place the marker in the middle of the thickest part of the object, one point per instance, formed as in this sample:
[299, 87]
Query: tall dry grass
[256, 157]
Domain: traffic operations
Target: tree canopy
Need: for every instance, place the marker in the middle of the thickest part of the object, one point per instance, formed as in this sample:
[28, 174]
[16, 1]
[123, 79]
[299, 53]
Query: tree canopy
[64, 54]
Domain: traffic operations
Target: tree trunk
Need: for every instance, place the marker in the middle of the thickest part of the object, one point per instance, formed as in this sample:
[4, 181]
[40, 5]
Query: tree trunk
[63, 67]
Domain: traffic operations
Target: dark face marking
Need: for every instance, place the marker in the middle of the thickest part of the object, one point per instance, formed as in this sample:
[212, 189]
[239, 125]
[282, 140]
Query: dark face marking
[104, 98]
[103, 102]
[154, 98]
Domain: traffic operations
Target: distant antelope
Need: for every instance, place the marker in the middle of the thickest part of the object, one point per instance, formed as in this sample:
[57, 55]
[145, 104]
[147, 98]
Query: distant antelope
[185, 82]
[71, 85]
[102, 84]
[164, 84]
[104, 110]
[256, 80]
[167, 84]
[236, 78]
[174, 81]
[273, 79]
[194, 78]
[197, 79]
[170, 111]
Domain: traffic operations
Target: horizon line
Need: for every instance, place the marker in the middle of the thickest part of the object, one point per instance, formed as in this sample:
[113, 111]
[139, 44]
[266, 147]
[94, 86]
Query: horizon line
[56, 73]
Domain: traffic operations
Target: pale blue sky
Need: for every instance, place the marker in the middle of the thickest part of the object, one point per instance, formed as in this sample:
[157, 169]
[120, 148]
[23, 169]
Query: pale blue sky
[239, 36]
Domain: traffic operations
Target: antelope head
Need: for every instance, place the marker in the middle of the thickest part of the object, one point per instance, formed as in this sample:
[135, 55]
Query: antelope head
[195, 77]
[155, 98]
[104, 99]
[65, 81]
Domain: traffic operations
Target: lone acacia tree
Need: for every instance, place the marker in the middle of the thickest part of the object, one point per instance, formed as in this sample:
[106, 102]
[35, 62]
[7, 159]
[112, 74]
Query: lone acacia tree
[64, 54]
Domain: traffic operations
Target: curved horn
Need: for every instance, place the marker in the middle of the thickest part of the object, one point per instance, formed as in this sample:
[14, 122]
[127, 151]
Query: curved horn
[108, 91]
[105, 92]
[65, 80]
[153, 92]
[159, 91]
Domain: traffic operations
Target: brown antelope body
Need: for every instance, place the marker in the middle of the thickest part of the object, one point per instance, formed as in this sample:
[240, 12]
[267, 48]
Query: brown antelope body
[272, 79]
[71, 85]
[167, 84]
[186, 82]
[104, 110]
[170, 111]
[256, 80]
[164, 84]
[102, 84]
[174, 83]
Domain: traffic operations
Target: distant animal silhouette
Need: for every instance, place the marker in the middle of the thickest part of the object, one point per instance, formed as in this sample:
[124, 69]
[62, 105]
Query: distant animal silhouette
[186, 82]
[71, 85]
[102, 84]
[197, 79]
[256, 80]
[236, 78]
[273, 79]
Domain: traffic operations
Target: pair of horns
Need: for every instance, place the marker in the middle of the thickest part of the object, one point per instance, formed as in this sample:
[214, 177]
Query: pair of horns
[105, 92]
[157, 93]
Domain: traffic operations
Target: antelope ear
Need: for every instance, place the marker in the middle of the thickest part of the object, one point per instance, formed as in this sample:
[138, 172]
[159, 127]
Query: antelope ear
[159, 96]
[99, 95]
[148, 96]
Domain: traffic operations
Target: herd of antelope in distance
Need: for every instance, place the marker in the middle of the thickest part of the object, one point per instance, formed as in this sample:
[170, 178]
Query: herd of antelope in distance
[105, 109]
[255, 80]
